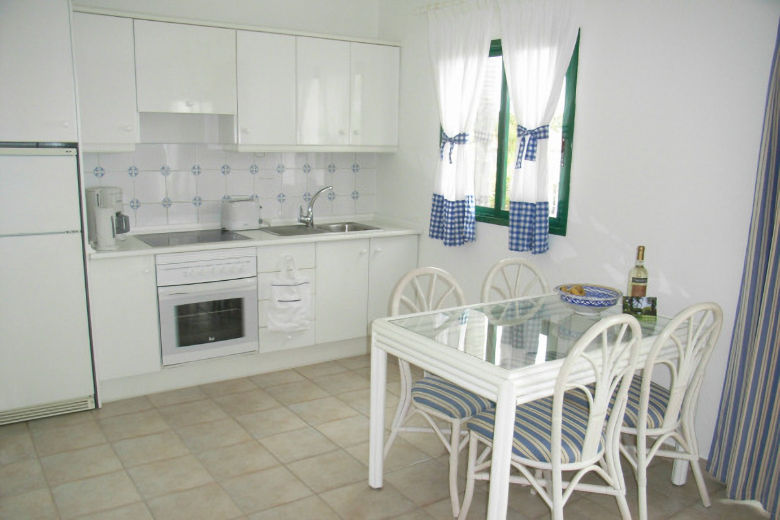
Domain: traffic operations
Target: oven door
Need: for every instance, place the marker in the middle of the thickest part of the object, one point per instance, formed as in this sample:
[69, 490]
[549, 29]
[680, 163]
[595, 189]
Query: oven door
[207, 320]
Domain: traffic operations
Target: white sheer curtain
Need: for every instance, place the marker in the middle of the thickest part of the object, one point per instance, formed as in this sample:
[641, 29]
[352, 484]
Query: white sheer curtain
[459, 43]
[537, 40]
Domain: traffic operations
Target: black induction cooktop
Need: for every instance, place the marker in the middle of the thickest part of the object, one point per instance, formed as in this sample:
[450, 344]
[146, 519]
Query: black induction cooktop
[182, 238]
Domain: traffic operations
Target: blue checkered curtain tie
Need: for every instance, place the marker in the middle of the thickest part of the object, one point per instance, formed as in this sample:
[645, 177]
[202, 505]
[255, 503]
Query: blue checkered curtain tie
[460, 138]
[541, 132]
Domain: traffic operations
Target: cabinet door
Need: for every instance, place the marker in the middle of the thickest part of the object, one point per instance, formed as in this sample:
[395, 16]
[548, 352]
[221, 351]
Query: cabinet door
[185, 68]
[390, 259]
[105, 71]
[123, 308]
[266, 88]
[37, 94]
[342, 289]
[323, 91]
[374, 94]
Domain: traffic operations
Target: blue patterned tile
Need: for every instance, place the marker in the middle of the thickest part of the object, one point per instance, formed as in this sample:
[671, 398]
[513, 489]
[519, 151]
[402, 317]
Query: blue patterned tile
[355, 167]
[280, 168]
[166, 202]
[254, 169]
[165, 170]
[307, 168]
[331, 168]
[132, 171]
[281, 198]
[135, 204]
[98, 171]
[197, 201]
[225, 169]
[195, 169]
[331, 195]
[355, 195]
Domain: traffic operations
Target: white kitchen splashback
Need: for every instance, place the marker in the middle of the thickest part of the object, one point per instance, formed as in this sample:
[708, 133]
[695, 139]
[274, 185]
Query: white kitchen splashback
[182, 185]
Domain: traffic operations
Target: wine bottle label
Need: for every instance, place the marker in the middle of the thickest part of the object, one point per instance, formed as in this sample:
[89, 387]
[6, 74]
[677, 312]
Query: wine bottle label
[642, 281]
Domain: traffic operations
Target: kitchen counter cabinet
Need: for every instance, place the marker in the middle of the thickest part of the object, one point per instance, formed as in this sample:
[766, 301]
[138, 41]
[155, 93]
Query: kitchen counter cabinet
[266, 88]
[185, 68]
[355, 280]
[390, 259]
[123, 307]
[342, 289]
[37, 92]
[105, 70]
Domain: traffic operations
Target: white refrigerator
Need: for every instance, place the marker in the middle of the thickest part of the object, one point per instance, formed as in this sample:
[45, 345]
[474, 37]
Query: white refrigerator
[45, 351]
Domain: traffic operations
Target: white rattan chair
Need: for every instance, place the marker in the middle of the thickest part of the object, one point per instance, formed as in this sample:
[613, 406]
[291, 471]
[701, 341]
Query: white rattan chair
[432, 397]
[659, 413]
[575, 431]
[512, 278]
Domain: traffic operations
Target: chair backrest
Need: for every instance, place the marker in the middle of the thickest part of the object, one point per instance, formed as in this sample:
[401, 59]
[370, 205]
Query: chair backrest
[425, 289]
[608, 350]
[512, 278]
[692, 334]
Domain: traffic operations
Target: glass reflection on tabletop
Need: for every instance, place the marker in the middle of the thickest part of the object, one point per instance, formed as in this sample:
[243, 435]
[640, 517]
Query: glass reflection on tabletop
[512, 334]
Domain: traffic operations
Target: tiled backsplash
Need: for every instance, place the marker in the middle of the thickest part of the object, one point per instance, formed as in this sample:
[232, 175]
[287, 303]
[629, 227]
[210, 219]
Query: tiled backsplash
[182, 185]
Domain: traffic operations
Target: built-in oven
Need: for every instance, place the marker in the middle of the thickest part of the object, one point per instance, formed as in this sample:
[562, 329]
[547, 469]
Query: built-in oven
[208, 304]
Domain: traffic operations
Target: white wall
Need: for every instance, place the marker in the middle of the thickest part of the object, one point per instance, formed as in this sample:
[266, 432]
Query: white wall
[670, 103]
[357, 18]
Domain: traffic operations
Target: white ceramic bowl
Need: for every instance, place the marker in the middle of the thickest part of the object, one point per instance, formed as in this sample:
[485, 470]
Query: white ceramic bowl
[595, 299]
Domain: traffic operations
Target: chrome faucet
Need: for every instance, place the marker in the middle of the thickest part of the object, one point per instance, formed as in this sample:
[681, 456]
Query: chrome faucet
[308, 218]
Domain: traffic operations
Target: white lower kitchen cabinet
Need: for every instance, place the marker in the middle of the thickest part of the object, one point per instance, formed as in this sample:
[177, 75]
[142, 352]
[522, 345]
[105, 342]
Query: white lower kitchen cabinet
[123, 309]
[390, 259]
[270, 262]
[342, 289]
[354, 281]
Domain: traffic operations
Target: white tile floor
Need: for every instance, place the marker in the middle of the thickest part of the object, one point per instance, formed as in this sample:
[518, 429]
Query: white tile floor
[284, 445]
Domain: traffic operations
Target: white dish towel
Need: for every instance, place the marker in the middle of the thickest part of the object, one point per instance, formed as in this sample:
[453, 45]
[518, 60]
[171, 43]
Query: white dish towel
[290, 307]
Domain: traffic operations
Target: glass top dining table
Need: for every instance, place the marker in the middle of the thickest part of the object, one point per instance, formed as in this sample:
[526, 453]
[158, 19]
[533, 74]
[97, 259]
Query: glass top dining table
[509, 352]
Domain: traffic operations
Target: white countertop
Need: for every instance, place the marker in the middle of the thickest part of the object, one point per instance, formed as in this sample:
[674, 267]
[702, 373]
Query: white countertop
[132, 246]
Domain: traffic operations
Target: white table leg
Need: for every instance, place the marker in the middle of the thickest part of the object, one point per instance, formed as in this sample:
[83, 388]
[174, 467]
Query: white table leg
[377, 416]
[503, 431]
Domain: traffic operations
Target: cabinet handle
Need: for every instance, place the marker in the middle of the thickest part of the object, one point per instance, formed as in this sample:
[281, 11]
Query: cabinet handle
[378, 250]
[189, 103]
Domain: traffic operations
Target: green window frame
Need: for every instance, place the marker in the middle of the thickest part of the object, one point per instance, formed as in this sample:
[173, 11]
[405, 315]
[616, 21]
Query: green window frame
[496, 215]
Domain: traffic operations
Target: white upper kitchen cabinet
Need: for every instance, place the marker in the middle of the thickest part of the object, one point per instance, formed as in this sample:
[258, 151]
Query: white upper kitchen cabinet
[374, 94]
[266, 88]
[37, 93]
[105, 71]
[323, 91]
[184, 68]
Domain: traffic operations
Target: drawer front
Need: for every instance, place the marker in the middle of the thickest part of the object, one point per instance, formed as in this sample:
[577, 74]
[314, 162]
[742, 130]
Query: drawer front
[270, 259]
[275, 340]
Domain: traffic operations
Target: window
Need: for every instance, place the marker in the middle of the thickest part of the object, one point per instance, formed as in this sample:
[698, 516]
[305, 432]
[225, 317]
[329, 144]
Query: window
[496, 145]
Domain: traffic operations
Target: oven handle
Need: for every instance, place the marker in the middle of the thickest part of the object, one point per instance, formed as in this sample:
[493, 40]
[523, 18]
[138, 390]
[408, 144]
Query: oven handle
[199, 288]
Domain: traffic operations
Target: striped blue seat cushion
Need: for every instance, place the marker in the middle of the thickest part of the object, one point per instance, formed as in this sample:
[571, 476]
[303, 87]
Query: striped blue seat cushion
[448, 398]
[533, 430]
[656, 406]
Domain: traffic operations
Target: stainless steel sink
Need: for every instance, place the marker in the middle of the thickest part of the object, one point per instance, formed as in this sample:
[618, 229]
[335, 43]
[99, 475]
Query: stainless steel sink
[301, 229]
[345, 227]
[293, 230]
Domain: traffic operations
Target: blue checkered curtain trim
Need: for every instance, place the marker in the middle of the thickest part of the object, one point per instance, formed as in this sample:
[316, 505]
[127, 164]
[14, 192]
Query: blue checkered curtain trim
[453, 221]
[461, 138]
[541, 132]
[529, 226]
